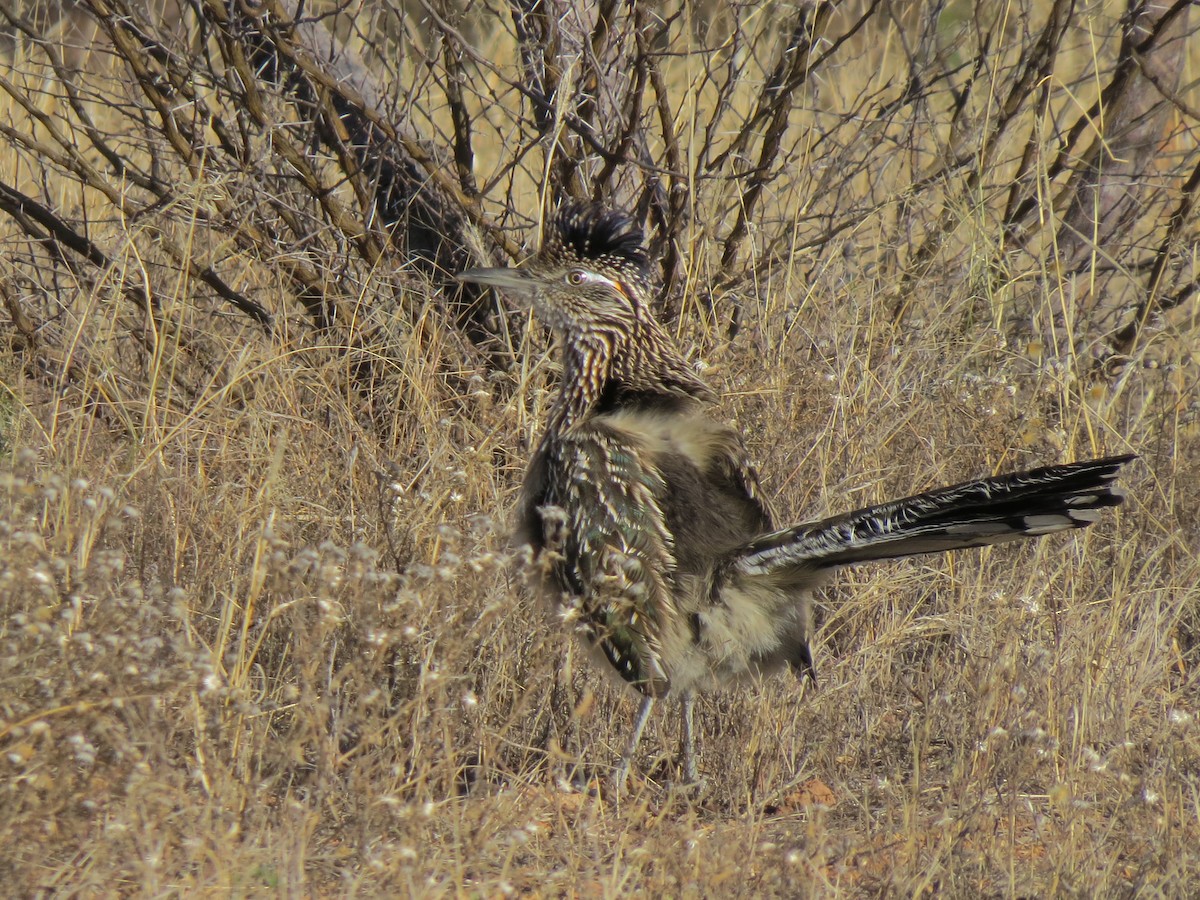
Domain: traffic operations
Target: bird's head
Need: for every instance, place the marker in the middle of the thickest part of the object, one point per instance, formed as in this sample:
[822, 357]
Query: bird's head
[591, 273]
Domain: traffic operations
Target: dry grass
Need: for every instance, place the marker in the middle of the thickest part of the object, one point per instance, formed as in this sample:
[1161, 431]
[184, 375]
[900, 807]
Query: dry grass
[251, 643]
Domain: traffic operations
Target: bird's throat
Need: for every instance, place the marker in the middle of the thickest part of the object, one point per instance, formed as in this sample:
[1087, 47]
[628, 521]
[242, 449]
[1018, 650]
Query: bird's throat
[590, 366]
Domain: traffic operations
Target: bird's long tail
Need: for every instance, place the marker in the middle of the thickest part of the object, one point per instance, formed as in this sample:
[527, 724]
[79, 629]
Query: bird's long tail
[972, 514]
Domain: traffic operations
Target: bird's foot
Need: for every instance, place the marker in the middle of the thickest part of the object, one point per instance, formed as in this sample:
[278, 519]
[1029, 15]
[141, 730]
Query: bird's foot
[619, 779]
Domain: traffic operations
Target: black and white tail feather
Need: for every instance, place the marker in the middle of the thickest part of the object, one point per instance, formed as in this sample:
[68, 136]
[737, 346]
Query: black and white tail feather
[972, 514]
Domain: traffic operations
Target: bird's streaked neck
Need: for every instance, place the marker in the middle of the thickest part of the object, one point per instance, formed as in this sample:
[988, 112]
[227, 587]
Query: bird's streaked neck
[635, 358]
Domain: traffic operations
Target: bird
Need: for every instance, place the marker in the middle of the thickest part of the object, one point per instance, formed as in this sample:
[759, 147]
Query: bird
[643, 521]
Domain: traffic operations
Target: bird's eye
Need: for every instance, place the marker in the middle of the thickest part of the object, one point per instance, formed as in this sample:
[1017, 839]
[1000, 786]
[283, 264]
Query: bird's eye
[575, 278]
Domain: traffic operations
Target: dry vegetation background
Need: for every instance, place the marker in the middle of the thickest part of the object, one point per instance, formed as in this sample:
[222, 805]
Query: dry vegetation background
[259, 633]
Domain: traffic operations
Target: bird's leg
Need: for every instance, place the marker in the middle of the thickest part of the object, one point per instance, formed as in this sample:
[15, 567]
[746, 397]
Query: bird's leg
[639, 725]
[561, 730]
[687, 703]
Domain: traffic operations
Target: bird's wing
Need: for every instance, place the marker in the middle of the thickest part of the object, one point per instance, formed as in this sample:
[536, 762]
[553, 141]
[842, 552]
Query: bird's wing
[710, 495]
[734, 466]
[615, 552]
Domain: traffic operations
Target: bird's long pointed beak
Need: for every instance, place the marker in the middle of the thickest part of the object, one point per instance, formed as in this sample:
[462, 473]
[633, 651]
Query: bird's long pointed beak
[513, 279]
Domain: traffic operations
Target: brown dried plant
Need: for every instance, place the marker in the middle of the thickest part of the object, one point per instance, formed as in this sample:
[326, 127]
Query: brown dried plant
[259, 626]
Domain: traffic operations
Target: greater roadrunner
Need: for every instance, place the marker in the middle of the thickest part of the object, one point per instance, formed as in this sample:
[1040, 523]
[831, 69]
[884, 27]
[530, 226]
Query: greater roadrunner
[644, 518]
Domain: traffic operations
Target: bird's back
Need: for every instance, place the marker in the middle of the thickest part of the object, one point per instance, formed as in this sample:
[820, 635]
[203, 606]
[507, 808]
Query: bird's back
[631, 510]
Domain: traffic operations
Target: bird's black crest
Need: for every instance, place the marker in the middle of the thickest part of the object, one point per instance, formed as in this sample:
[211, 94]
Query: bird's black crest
[591, 232]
